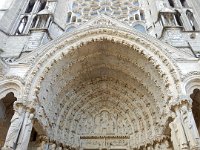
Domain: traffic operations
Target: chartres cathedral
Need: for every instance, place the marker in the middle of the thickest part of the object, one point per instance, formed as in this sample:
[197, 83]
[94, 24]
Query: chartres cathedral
[99, 74]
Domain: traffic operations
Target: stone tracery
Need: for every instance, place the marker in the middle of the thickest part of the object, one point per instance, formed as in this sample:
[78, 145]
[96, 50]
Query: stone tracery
[79, 11]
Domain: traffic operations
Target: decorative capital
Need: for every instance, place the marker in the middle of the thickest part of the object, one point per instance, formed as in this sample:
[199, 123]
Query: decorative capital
[30, 106]
[17, 105]
[44, 138]
[179, 102]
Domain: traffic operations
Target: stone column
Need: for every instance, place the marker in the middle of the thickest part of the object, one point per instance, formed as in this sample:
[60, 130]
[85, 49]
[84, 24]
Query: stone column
[20, 129]
[25, 133]
[184, 133]
[15, 127]
[190, 128]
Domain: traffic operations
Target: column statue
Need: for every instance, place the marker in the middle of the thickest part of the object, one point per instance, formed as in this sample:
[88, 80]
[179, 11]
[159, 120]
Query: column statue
[157, 146]
[26, 131]
[178, 136]
[44, 141]
[15, 127]
[59, 148]
[190, 127]
[52, 146]
[184, 118]
[150, 147]
[165, 145]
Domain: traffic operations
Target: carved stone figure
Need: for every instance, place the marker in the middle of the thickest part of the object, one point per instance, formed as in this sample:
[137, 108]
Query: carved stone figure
[15, 127]
[164, 145]
[26, 132]
[157, 146]
[59, 148]
[150, 147]
[42, 146]
[177, 133]
[52, 146]
[190, 127]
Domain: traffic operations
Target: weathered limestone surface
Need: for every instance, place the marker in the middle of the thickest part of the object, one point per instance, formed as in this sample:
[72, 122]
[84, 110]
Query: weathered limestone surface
[99, 74]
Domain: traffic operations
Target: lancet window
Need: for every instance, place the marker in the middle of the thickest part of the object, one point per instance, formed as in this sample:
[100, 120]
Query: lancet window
[171, 3]
[30, 6]
[29, 21]
[22, 26]
[79, 11]
[184, 3]
[192, 20]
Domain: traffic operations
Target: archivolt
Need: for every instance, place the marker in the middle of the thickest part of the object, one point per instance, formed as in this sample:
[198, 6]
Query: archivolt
[103, 69]
[191, 82]
[14, 86]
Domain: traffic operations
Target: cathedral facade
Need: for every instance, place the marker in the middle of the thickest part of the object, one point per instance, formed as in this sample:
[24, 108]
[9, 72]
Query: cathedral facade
[99, 74]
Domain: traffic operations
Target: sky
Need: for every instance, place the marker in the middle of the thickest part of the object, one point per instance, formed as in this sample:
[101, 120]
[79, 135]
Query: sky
[1, 3]
[4, 5]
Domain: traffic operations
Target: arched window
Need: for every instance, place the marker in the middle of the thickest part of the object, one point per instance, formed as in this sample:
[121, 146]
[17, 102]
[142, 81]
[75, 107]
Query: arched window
[192, 20]
[30, 6]
[74, 19]
[196, 107]
[184, 3]
[69, 15]
[22, 25]
[136, 3]
[140, 28]
[71, 28]
[178, 18]
[137, 17]
[142, 15]
[171, 3]
[33, 24]
[42, 23]
[42, 5]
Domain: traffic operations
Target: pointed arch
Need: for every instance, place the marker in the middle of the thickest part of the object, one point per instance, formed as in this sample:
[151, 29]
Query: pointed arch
[85, 73]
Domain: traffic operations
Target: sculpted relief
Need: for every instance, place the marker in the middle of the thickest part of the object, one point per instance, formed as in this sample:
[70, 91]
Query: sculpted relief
[105, 123]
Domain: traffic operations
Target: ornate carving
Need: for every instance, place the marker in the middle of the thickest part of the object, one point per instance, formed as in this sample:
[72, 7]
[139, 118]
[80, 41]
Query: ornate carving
[15, 127]
[113, 87]
[190, 128]
[177, 134]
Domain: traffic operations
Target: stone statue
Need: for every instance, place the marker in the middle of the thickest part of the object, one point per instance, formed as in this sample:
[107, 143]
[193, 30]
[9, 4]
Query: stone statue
[150, 147]
[157, 146]
[59, 148]
[177, 133]
[165, 145]
[44, 143]
[52, 146]
[15, 127]
[174, 137]
[190, 127]
[25, 132]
